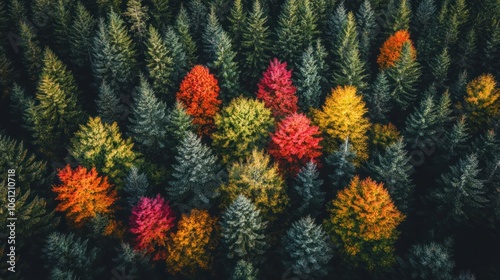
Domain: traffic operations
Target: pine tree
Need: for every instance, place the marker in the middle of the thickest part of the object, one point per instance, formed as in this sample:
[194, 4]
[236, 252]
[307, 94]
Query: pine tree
[336, 22]
[429, 261]
[255, 44]
[363, 223]
[31, 51]
[114, 55]
[398, 16]
[137, 16]
[66, 255]
[243, 231]
[378, 98]
[342, 164]
[211, 34]
[425, 28]
[61, 26]
[136, 186]
[101, 145]
[451, 18]
[80, 36]
[160, 64]
[467, 48]
[237, 19]
[440, 67]
[421, 125]
[199, 11]
[309, 81]
[393, 168]
[148, 121]
[461, 194]
[403, 77]
[135, 263]
[244, 271]
[392, 49]
[242, 126]
[195, 173]
[160, 12]
[6, 72]
[182, 27]
[180, 59]
[109, 107]
[307, 188]
[367, 26]
[288, 46]
[306, 249]
[258, 180]
[349, 67]
[179, 123]
[307, 25]
[456, 139]
[490, 50]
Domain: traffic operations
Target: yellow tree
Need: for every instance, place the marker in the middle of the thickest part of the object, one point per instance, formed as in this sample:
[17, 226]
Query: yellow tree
[363, 221]
[343, 116]
[190, 248]
[482, 99]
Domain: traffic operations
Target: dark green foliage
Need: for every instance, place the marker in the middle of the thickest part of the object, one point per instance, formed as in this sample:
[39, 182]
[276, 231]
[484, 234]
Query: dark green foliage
[244, 271]
[451, 17]
[180, 60]
[80, 36]
[211, 34]
[6, 73]
[398, 16]
[288, 33]
[237, 19]
[342, 165]
[66, 255]
[309, 80]
[465, 275]
[195, 173]
[160, 12]
[243, 231]
[179, 123]
[467, 48]
[420, 126]
[137, 17]
[378, 98]
[439, 67]
[136, 186]
[62, 22]
[429, 261]
[393, 168]
[456, 139]
[336, 23]
[308, 190]
[182, 27]
[31, 51]
[160, 65]
[306, 249]
[425, 22]
[491, 55]
[367, 26]
[198, 12]
[134, 263]
[109, 107]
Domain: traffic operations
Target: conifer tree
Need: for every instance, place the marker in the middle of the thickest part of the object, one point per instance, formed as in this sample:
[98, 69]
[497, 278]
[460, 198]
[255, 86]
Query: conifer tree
[398, 16]
[258, 180]
[244, 271]
[137, 17]
[456, 139]
[31, 50]
[242, 126]
[467, 50]
[420, 126]
[199, 11]
[237, 19]
[114, 54]
[429, 261]
[135, 263]
[288, 45]
[80, 36]
[309, 80]
[307, 188]
[136, 186]
[180, 59]
[482, 99]
[160, 12]
[378, 98]
[148, 121]
[6, 72]
[490, 50]
[451, 18]
[393, 168]
[425, 28]
[66, 256]
[255, 44]
[336, 22]
[195, 173]
[182, 27]
[365, 18]
[461, 194]
[243, 231]
[440, 67]
[211, 34]
[109, 107]
[179, 123]
[342, 164]
[306, 249]
[61, 26]
[307, 25]
[363, 223]
[391, 50]
[160, 64]
[101, 145]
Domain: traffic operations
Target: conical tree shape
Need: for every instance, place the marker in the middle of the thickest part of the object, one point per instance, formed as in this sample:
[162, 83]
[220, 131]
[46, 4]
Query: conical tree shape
[342, 164]
[288, 33]
[136, 186]
[309, 80]
[80, 36]
[237, 19]
[182, 27]
[307, 188]
[160, 64]
[31, 50]
[109, 107]
[378, 98]
[180, 59]
[367, 27]
[179, 123]
[398, 16]
[137, 16]
[244, 271]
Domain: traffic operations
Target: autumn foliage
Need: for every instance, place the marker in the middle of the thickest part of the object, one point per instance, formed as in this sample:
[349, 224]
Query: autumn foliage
[295, 143]
[199, 93]
[392, 47]
[83, 194]
[276, 90]
[363, 221]
[150, 222]
[482, 98]
[190, 248]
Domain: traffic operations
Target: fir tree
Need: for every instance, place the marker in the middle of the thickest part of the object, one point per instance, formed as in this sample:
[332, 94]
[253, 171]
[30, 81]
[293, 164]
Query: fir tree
[6, 72]
[80, 36]
[378, 98]
[135, 263]
[420, 126]
[148, 121]
[195, 173]
[61, 26]
[160, 12]
[342, 164]
[367, 26]
[456, 139]
[211, 34]
[109, 107]
[183, 26]
[180, 60]
[451, 18]
[307, 25]
[136, 186]
[137, 16]
[398, 16]
[393, 168]
[307, 188]
[429, 261]
[309, 80]
[467, 50]
[490, 51]
[160, 64]
[288, 46]
[243, 231]
[440, 67]
[244, 271]
[31, 51]
[179, 123]
[237, 19]
[336, 22]
[306, 249]
[199, 11]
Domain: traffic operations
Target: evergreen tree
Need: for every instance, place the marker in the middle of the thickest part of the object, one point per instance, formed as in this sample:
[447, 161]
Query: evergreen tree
[451, 18]
[148, 121]
[425, 28]
[456, 139]
[114, 55]
[336, 22]
[195, 173]
[31, 51]
[467, 50]
[179, 123]
[183, 26]
[160, 12]
[180, 60]
[288, 45]
[482, 100]
[137, 17]
[135, 263]
[398, 16]
[80, 36]
[393, 168]
[243, 231]
[490, 52]
[244, 271]
[255, 44]
[342, 164]
[211, 34]
[307, 188]
[429, 261]
[237, 19]
[309, 81]
[420, 126]
[307, 250]
[136, 186]
[378, 98]
[367, 26]
[440, 67]
[160, 64]
[109, 107]
[461, 194]
[61, 26]
[307, 25]
[6, 72]
[199, 11]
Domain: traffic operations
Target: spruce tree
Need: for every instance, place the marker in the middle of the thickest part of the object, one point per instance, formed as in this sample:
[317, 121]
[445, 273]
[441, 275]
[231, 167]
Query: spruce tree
[378, 98]
[136, 186]
[237, 19]
[307, 188]
[288, 34]
[456, 139]
[393, 168]
[182, 27]
[199, 11]
[244, 271]
[160, 12]
[467, 50]
[255, 44]
[160, 64]
[309, 80]
[31, 51]
[439, 68]
[420, 126]
[109, 107]
[243, 231]
[195, 174]
[148, 121]
[365, 18]
[180, 60]
[426, 31]
[429, 261]
[336, 22]
[61, 26]
[179, 123]
[211, 34]
[306, 249]
[342, 164]
[137, 17]
[307, 24]
[398, 16]
[6, 72]
[134, 263]
[80, 36]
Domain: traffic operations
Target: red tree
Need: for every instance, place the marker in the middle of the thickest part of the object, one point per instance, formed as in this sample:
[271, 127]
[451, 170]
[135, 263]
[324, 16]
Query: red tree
[83, 194]
[295, 143]
[277, 91]
[199, 93]
[151, 220]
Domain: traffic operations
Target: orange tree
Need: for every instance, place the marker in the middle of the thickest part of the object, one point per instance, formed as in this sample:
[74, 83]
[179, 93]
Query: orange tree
[362, 222]
[199, 93]
[83, 194]
[392, 47]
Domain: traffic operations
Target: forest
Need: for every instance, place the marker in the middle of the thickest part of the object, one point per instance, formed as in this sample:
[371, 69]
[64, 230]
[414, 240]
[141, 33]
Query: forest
[250, 139]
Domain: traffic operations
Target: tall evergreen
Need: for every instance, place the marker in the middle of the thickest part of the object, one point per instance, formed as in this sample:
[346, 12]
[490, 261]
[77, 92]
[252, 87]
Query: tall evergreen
[179, 123]
[378, 98]
[335, 24]
[32, 53]
[199, 12]
[132, 262]
[180, 59]
[467, 50]
[367, 24]
[183, 27]
[451, 18]
[136, 186]
[439, 68]
[420, 126]
[456, 139]
[429, 261]
[109, 107]
[62, 18]
[244, 271]
[137, 16]
[80, 36]
[342, 163]
[309, 80]
[160, 13]
[307, 188]
[306, 249]
[288, 46]
[160, 64]
[425, 26]
[398, 16]
[243, 231]
[195, 175]
[211, 34]
[237, 19]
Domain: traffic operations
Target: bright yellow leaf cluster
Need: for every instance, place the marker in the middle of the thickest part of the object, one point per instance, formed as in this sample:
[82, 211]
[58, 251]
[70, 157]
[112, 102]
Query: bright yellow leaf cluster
[482, 99]
[384, 135]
